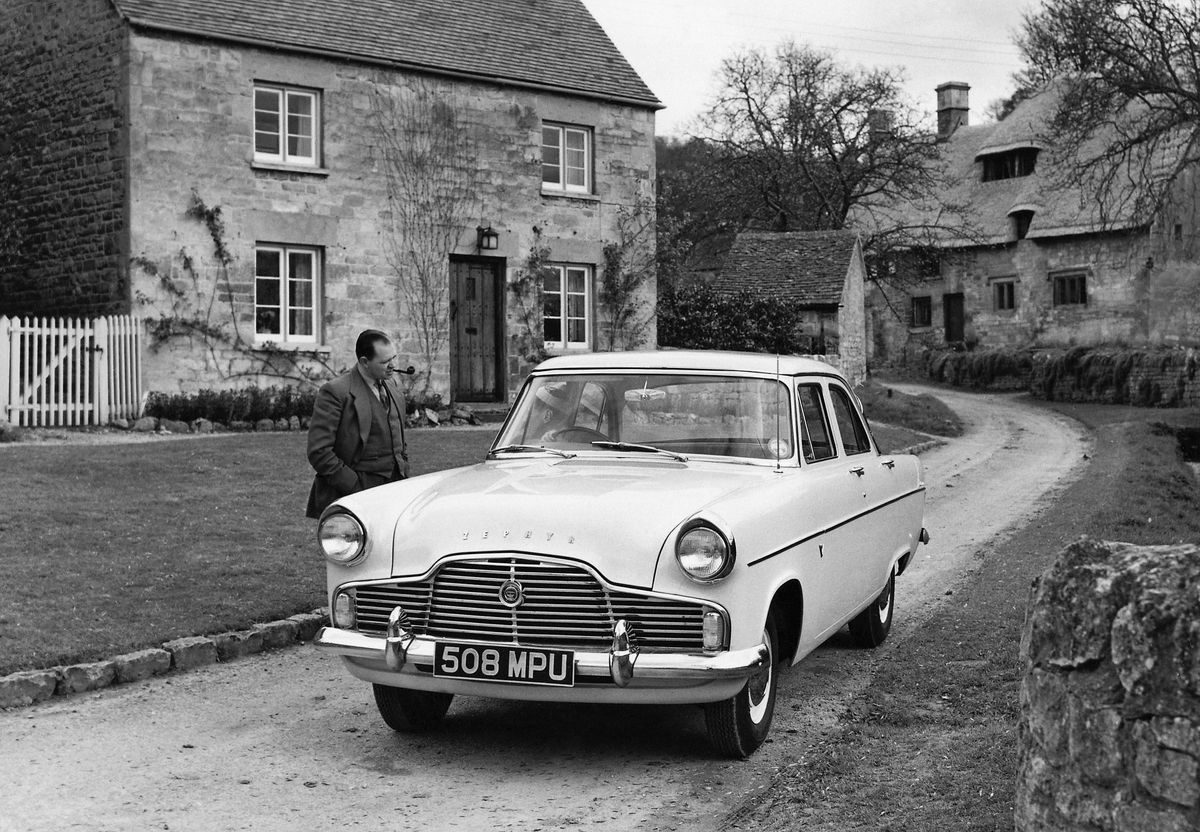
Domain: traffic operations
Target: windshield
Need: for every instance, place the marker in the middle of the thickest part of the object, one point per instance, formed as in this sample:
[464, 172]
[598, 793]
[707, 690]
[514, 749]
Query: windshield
[725, 416]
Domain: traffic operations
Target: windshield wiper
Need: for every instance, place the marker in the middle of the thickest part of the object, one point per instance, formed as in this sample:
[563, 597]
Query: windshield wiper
[507, 448]
[634, 446]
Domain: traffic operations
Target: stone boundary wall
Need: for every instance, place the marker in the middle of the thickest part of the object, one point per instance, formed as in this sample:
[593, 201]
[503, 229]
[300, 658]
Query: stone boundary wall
[31, 686]
[1105, 375]
[1170, 378]
[1110, 700]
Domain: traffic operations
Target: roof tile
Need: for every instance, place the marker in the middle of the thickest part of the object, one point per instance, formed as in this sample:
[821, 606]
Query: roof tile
[543, 43]
[808, 266]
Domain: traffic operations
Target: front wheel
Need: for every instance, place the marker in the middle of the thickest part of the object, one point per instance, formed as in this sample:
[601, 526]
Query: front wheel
[412, 711]
[738, 725]
[871, 626]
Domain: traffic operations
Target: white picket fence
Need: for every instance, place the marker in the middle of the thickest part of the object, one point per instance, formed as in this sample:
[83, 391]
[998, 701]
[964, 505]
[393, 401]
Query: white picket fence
[69, 371]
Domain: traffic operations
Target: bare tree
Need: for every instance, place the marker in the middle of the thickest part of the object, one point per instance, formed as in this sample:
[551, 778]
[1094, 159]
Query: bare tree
[1128, 121]
[429, 161]
[793, 141]
[810, 140]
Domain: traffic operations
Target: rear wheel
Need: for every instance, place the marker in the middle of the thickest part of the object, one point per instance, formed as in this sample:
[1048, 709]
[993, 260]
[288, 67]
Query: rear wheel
[871, 626]
[411, 710]
[738, 725]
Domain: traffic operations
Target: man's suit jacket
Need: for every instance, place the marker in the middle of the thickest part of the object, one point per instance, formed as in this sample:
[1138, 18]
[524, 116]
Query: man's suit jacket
[337, 431]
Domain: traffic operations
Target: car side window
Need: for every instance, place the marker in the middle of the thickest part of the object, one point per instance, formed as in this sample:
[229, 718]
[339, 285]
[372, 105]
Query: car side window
[592, 412]
[815, 441]
[850, 426]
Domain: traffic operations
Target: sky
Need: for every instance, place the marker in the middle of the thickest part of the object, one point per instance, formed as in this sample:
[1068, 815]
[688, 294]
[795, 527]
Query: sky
[678, 45]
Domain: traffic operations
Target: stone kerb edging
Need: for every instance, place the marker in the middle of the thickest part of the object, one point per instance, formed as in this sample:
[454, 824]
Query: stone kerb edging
[1110, 700]
[29, 686]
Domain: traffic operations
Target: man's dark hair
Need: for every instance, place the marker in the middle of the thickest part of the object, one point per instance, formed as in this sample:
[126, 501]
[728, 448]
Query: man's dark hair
[364, 347]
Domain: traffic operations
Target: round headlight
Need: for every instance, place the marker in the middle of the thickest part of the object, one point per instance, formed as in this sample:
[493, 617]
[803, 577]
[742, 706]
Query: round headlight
[704, 553]
[343, 539]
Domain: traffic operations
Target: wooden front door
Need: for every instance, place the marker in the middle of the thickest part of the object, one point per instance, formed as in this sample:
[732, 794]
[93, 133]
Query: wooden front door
[952, 306]
[476, 329]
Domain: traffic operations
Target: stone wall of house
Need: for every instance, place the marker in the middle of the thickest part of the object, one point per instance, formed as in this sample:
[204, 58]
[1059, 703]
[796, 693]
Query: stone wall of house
[1115, 275]
[1141, 291]
[192, 145]
[62, 178]
[1110, 699]
[1172, 301]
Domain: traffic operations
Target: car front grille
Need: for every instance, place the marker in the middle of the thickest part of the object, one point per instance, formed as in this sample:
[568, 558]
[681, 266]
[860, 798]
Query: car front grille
[564, 606]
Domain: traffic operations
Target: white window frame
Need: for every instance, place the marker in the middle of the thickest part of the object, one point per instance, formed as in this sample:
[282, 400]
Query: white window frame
[285, 95]
[286, 254]
[564, 343]
[562, 133]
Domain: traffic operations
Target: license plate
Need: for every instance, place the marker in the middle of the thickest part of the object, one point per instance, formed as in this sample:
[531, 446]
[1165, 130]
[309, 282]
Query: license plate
[505, 664]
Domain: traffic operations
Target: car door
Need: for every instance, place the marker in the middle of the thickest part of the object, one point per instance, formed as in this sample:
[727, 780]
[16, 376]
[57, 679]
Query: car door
[830, 496]
[863, 543]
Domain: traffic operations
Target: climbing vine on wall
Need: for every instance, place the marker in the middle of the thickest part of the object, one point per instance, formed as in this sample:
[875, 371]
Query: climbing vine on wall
[526, 289]
[430, 164]
[186, 306]
[629, 263]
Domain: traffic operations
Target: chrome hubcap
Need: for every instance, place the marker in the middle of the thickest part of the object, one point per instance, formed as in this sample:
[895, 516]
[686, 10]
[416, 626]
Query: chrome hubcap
[760, 684]
[885, 600]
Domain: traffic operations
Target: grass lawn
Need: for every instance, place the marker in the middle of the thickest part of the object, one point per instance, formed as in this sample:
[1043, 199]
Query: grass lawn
[109, 548]
[922, 413]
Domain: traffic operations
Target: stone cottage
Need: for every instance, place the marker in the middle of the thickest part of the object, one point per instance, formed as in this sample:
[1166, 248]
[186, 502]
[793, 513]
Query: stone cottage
[260, 181]
[822, 271]
[1037, 261]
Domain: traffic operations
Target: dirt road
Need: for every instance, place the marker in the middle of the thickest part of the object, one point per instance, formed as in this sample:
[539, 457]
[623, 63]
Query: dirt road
[289, 741]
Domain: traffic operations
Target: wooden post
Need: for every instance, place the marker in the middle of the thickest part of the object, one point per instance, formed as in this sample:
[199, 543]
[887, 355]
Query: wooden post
[100, 340]
[6, 357]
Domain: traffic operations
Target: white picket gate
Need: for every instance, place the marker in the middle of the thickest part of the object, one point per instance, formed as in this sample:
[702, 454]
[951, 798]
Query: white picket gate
[69, 371]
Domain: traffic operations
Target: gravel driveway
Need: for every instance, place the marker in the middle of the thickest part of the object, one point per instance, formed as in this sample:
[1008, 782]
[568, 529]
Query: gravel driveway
[288, 740]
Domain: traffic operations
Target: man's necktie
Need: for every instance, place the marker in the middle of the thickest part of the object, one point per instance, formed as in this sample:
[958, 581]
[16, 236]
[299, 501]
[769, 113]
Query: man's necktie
[383, 394]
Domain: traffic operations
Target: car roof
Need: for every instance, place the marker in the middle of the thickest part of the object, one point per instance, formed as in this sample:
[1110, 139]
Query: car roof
[716, 360]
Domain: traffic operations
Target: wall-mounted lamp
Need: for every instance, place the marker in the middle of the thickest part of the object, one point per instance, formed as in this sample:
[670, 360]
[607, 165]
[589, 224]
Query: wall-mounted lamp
[488, 239]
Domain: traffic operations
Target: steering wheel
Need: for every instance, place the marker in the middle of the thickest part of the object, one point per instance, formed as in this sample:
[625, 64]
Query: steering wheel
[575, 434]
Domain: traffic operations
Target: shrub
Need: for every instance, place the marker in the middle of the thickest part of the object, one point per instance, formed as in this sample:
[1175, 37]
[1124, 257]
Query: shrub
[700, 318]
[244, 404]
[982, 369]
[1143, 378]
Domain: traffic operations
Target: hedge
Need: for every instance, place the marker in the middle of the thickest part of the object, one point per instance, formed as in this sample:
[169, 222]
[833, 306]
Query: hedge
[1112, 375]
[699, 318]
[244, 404]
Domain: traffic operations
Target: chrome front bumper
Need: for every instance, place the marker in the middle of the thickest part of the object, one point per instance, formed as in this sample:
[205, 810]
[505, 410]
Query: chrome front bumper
[669, 668]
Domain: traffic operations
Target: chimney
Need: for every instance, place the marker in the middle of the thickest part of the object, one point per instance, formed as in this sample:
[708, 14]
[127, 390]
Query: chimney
[952, 108]
[879, 125]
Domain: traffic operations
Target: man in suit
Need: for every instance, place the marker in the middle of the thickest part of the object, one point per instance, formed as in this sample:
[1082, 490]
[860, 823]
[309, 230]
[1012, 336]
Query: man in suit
[356, 434]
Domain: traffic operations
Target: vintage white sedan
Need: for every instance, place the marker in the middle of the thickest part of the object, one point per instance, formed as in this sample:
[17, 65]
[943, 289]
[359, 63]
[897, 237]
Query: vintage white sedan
[659, 527]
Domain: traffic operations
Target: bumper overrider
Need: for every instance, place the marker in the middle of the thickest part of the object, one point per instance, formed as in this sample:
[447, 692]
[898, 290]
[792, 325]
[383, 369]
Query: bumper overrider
[621, 674]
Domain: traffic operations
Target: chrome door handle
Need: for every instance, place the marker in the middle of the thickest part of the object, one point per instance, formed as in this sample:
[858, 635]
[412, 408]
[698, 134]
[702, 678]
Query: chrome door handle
[888, 463]
[857, 469]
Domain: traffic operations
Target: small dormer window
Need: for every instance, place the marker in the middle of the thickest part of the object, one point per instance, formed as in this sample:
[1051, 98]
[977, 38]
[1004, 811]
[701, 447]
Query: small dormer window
[1010, 164]
[1020, 223]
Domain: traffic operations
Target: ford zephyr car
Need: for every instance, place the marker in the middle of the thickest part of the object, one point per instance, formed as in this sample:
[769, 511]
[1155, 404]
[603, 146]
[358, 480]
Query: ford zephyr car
[659, 527]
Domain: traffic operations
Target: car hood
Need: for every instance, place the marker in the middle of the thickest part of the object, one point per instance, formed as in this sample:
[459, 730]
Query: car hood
[615, 514]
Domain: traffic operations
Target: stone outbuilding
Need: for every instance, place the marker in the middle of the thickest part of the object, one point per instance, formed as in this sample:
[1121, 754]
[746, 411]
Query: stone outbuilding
[1035, 258]
[822, 271]
[258, 182]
